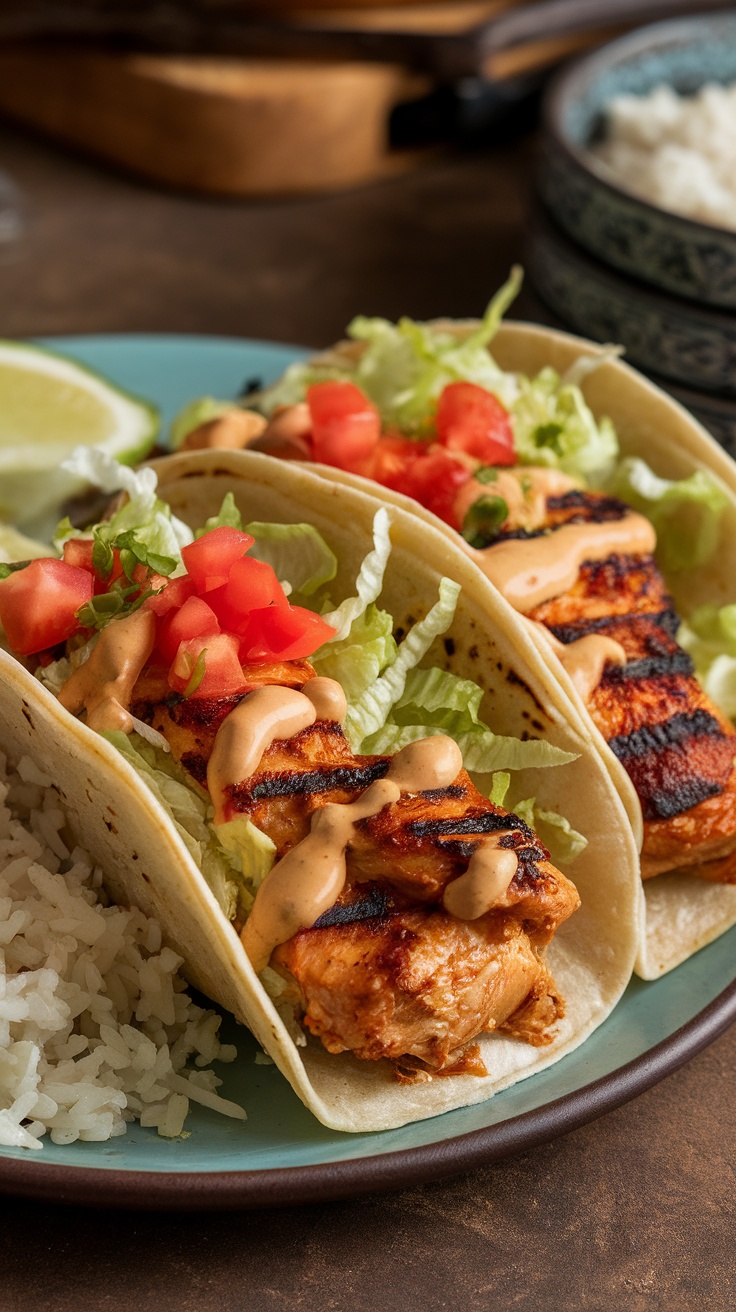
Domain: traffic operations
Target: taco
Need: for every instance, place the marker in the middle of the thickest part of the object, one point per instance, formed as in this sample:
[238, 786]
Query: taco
[604, 515]
[279, 780]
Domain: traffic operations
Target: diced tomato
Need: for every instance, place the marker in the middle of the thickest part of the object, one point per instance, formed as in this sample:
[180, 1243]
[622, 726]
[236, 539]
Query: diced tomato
[78, 552]
[282, 633]
[472, 420]
[192, 620]
[223, 676]
[345, 425]
[432, 480]
[209, 560]
[38, 604]
[251, 586]
[390, 458]
[155, 581]
[176, 592]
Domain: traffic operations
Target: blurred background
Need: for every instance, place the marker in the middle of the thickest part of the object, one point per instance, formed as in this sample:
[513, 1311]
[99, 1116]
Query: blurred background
[270, 169]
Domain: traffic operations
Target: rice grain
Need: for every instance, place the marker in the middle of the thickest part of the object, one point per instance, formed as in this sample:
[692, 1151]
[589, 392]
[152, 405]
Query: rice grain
[96, 1027]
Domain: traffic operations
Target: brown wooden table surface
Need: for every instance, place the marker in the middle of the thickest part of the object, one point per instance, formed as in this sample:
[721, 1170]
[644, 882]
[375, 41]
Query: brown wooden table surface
[635, 1211]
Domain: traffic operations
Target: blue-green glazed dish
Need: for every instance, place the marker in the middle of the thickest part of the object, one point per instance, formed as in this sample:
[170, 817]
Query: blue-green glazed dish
[282, 1154]
[679, 255]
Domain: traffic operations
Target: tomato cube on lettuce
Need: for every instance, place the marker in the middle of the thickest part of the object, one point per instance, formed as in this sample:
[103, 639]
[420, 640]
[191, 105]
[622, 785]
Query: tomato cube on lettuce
[391, 457]
[174, 595]
[209, 560]
[251, 586]
[214, 657]
[282, 633]
[194, 619]
[345, 425]
[472, 420]
[38, 604]
[78, 552]
[432, 479]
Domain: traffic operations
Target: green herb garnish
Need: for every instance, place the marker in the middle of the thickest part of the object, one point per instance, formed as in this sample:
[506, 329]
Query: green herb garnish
[103, 557]
[486, 474]
[483, 521]
[12, 567]
[133, 552]
[197, 674]
[549, 435]
[113, 605]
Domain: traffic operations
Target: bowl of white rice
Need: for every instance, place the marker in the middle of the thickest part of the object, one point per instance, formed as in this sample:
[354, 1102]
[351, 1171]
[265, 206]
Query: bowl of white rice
[639, 159]
[97, 1027]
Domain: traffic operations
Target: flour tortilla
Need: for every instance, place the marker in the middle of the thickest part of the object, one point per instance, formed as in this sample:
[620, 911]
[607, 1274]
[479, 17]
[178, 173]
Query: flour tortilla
[145, 861]
[683, 913]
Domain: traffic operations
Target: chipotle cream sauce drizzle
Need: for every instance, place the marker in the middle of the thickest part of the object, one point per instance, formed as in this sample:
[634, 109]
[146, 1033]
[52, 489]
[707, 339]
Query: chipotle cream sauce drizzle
[104, 684]
[586, 658]
[485, 882]
[327, 697]
[530, 571]
[525, 490]
[309, 879]
[265, 716]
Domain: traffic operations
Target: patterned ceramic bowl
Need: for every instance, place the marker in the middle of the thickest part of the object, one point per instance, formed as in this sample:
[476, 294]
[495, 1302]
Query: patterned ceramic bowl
[691, 259]
[690, 344]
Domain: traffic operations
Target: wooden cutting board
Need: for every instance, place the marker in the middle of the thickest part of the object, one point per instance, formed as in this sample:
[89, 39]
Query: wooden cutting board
[228, 127]
[241, 127]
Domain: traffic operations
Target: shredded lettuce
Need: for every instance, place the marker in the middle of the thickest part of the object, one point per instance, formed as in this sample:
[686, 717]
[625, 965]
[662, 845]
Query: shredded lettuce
[686, 514]
[369, 713]
[143, 511]
[369, 582]
[253, 853]
[357, 660]
[499, 787]
[297, 552]
[189, 810]
[404, 367]
[554, 427]
[435, 701]
[562, 841]
[710, 637]
[228, 516]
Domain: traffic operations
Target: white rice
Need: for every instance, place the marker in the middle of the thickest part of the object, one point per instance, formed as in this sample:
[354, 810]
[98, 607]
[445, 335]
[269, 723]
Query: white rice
[95, 1024]
[679, 152]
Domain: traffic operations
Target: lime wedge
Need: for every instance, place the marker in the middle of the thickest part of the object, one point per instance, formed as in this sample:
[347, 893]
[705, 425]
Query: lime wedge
[16, 546]
[48, 405]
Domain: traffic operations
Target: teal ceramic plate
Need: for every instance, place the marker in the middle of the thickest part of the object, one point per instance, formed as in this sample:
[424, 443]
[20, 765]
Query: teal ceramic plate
[282, 1154]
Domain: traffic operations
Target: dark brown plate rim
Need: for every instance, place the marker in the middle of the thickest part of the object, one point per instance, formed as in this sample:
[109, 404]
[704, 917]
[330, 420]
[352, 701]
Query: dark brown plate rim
[280, 1186]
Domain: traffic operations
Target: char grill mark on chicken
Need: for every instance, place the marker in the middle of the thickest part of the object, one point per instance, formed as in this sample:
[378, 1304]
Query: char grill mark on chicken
[386, 972]
[676, 746]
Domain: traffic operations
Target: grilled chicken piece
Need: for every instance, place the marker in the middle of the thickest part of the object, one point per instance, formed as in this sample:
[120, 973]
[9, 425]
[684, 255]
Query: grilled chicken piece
[418, 984]
[387, 972]
[676, 746]
[190, 726]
